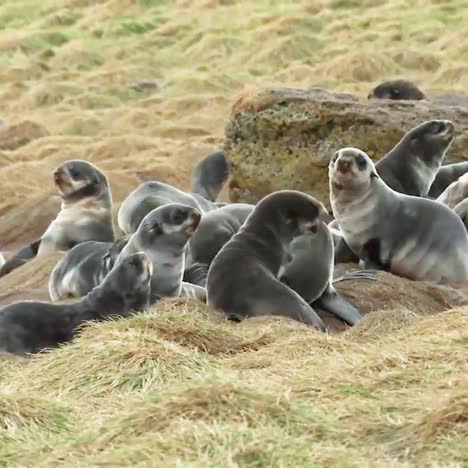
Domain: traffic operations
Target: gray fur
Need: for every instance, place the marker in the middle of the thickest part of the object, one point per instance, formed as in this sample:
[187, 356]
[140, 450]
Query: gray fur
[209, 175]
[455, 193]
[409, 236]
[447, 174]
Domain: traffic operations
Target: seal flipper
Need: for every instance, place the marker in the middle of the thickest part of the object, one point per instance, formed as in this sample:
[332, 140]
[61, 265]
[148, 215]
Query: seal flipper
[332, 302]
[209, 175]
[20, 258]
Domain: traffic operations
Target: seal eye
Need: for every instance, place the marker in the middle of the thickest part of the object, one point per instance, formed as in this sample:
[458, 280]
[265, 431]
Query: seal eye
[74, 173]
[313, 229]
[179, 217]
[334, 158]
[361, 162]
[436, 127]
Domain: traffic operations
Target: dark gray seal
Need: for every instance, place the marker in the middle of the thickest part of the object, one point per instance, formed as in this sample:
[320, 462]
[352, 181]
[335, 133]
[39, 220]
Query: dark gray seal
[412, 237]
[397, 90]
[163, 235]
[153, 194]
[29, 327]
[446, 175]
[83, 268]
[86, 213]
[242, 279]
[209, 175]
[411, 166]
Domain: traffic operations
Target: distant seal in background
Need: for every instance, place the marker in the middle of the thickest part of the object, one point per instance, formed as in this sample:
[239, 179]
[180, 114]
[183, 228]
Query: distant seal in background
[242, 279]
[447, 174]
[455, 193]
[83, 268]
[153, 194]
[209, 175]
[309, 272]
[2, 260]
[163, 235]
[411, 166]
[29, 327]
[462, 210]
[86, 213]
[397, 90]
[409, 236]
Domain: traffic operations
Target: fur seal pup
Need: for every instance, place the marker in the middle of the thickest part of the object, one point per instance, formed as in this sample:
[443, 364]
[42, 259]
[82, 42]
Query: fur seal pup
[153, 194]
[243, 277]
[209, 175]
[455, 193]
[83, 268]
[462, 210]
[163, 235]
[409, 236]
[447, 174]
[29, 327]
[85, 214]
[397, 90]
[309, 272]
[411, 166]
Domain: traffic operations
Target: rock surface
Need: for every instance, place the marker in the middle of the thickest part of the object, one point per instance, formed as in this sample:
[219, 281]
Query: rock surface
[14, 136]
[283, 138]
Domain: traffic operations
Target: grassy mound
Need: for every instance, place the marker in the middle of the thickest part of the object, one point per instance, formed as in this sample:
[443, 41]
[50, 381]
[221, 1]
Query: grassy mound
[142, 88]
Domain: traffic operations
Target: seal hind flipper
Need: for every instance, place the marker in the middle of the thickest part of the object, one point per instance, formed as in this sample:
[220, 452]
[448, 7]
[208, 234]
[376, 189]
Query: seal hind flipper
[332, 302]
[20, 258]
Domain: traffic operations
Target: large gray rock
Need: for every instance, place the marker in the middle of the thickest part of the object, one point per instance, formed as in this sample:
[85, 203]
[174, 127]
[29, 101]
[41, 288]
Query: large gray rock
[284, 138]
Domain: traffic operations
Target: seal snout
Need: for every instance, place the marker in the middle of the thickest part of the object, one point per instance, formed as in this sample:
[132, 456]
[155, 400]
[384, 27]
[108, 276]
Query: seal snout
[344, 165]
[193, 221]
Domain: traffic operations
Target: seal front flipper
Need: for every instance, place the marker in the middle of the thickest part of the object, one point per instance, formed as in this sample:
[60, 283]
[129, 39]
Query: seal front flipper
[21, 257]
[332, 302]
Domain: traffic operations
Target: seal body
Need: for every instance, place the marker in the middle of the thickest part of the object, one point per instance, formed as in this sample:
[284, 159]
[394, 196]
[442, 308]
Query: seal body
[154, 194]
[397, 90]
[446, 175]
[242, 279]
[163, 235]
[86, 213]
[411, 166]
[455, 193]
[83, 268]
[462, 210]
[29, 327]
[309, 272]
[209, 176]
[409, 236]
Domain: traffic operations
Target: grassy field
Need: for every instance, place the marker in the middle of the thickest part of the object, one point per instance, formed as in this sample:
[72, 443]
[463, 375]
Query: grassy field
[178, 386]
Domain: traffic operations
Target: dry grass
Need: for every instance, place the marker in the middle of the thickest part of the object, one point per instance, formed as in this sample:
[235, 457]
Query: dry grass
[178, 385]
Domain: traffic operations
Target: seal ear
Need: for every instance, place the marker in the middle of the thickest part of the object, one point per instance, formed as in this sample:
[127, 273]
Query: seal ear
[374, 175]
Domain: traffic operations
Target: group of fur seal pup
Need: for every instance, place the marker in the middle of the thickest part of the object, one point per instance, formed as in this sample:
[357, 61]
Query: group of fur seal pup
[406, 214]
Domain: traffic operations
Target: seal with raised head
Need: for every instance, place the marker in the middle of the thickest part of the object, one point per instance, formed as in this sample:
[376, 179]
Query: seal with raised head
[243, 277]
[455, 193]
[153, 194]
[29, 326]
[85, 214]
[411, 166]
[215, 229]
[397, 90]
[163, 235]
[446, 175]
[209, 175]
[412, 237]
[83, 268]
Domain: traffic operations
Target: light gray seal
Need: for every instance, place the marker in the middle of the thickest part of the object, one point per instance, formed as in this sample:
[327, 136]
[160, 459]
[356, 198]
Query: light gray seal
[446, 175]
[163, 235]
[397, 90]
[209, 175]
[29, 327]
[411, 166]
[153, 194]
[455, 193]
[462, 210]
[412, 237]
[215, 229]
[2, 260]
[243, 277]
[83, 268]
[309, 272]
[85, 214]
